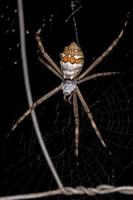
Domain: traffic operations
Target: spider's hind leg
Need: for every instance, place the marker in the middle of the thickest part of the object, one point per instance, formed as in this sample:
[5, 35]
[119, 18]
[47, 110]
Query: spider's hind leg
[35, 104]
[76, 117]
[90, 116]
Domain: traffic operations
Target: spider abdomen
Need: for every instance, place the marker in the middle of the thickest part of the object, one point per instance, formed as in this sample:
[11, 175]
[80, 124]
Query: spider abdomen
[72, 60]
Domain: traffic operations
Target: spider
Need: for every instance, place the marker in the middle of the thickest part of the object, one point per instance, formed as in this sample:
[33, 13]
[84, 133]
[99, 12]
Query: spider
[71, 64]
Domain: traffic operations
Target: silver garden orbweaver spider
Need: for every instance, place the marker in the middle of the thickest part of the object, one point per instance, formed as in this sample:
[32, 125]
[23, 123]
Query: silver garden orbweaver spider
[72, 61]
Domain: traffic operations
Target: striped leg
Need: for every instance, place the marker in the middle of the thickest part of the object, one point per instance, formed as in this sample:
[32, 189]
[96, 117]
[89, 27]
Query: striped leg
[105, 53]
[76, 117]
[39, 101]
[50, 67]
[90, 116]
[44, 53]
[93, 76]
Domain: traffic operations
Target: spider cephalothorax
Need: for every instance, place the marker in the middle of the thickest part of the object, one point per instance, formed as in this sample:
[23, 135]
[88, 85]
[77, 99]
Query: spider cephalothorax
[72, 61]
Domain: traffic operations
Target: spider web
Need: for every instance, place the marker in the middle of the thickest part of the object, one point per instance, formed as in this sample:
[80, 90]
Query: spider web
[23, 168]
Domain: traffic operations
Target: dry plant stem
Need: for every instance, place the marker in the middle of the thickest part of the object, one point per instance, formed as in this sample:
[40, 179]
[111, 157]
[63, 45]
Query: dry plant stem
[44, 53]
[29, 94]
[50, 68]
[76, 117]
[90, 116]
[104, 54]
[93, 76]
[35, 104]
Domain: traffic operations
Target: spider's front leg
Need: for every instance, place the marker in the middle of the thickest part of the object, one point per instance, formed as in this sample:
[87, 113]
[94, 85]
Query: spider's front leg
[45, 54]
[106, 52]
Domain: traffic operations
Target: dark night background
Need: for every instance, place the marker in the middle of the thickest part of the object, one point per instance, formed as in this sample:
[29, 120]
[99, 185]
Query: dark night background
[22, 166]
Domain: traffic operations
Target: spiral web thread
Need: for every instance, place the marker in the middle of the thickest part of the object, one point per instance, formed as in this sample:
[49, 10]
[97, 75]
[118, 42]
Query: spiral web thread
[61, 190]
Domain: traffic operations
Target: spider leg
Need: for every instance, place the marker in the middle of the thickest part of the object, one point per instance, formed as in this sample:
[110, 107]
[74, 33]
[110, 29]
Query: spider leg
[44, 53]
[76, 117]
[93, 76]
[105, 53]
[90, 116]
[35, 104]
[50, 68]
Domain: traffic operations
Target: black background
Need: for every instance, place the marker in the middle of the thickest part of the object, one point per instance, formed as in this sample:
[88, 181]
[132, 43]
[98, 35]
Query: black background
[98, 23]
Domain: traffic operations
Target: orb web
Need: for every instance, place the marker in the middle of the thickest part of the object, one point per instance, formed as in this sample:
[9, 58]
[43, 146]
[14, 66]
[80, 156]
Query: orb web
[23, 167]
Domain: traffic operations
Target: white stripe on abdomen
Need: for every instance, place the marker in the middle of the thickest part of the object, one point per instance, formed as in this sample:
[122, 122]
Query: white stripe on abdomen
[70, 71]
